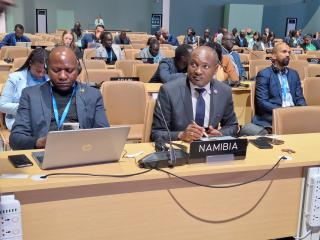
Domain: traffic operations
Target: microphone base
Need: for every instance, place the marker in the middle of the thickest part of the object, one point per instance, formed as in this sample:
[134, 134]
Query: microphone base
[162, 159]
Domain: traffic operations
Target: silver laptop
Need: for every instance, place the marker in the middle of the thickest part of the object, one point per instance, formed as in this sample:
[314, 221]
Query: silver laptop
[82, 147]
[24, 44]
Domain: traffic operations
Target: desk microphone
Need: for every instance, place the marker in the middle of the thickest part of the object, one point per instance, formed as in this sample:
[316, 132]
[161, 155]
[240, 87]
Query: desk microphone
[173, 157]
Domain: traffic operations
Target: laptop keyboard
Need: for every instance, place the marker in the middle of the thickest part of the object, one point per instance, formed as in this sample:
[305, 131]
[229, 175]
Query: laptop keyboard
[39, 156]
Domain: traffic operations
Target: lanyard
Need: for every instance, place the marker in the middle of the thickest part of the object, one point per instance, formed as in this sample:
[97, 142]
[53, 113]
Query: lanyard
[109, 55]
[283, 86]
[65, 111]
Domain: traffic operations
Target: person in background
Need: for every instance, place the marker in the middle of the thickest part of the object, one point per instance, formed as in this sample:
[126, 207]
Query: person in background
[293, 41]
[92, 39]
[235, 32]
[270, 40]
[77, 31]
[99, 21]
[166, 38]
[219, 35]
[111, 52]
[68, 41]
[152, 51]
[206, 37]
[260, 44]
[195, 104]
[308, 44]
[190, 38]
[122, 38]
[17, 36]
[249, 36]
[266, 31]
[241, 40]
[170, 69]
[41, 107]
[31, 73]
[227, 46]
[256, 36]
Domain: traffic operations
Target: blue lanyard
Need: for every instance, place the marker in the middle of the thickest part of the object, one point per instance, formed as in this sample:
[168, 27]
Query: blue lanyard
[109, 55]
[283, 86]
[65, 111]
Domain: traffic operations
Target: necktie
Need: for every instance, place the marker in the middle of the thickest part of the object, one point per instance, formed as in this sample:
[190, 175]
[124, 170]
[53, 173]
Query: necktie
[200, 107]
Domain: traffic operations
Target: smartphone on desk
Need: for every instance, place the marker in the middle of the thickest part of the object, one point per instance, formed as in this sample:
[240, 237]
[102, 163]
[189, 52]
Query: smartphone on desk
[19, 161]
[262, 144]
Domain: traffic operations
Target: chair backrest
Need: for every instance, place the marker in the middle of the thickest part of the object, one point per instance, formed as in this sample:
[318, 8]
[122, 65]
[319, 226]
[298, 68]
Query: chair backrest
[254, 55]
[144, 71]
[311, 86]
[94, 64]
[168, 53]
[312, 70]
[126, 66]
[295, 120]
[252, 97]
[299, 66]
[166, 46]
[244, 58]
[17, 63]
[88, 53]
[126, 103]
[138, 46]
[304, 56]
[99, 75]
[16, 52]
[130, 53]
[261, 67]
[254, 63]
[149, 120]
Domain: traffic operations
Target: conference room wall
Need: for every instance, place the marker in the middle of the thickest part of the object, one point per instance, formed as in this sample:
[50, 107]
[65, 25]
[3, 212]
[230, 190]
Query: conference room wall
[208, 13]
[134, 15]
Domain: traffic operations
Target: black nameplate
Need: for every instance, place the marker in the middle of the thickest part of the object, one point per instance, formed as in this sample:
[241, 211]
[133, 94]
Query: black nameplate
[202, 149]
[298, 51]
[124, 78]
[238, 50]
[269, 50]
[313, 60]
[269, 58]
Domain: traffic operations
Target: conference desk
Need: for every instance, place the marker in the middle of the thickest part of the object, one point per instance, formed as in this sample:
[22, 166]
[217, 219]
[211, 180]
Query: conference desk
[241, 100]
[156, 206]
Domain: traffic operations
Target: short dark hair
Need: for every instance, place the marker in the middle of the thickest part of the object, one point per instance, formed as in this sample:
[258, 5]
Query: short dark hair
[18, 26]
[104, 35]
[38, 55]
[182, 51]
[154, 41]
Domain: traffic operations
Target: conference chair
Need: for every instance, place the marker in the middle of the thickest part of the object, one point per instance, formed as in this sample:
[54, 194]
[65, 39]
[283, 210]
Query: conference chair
[254, 55]
[149, 120]
[304, 57]
[312, 70]
[126, 66]
[311, 86]
[94, 64]
[244, 58]
[299, 66]
[144, 71]
[97, 76]
[138, 45]
[166, 46]
[14, 52]
[17, 63]
[254, 63]
[88, 53]
[130, 53]
[295, 120]
[252, 97]
[126, 103]
[314, 53]
[168, 53]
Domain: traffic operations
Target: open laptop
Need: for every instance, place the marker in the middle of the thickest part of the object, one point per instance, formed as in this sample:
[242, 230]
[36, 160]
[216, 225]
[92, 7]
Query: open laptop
[24, 44]
[82, 147]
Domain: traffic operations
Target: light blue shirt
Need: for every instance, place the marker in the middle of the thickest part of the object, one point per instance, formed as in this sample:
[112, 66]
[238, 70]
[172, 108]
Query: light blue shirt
[285, 90]
[10, 97]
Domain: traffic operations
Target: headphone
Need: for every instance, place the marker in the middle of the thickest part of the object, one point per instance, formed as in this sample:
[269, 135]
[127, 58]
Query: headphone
[276, 70]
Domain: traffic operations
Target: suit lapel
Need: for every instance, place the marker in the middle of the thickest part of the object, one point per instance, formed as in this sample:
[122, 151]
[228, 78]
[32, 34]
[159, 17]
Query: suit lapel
[213, 101]
[186, 99]
[277, 83]
[46, 104]
[80, 104]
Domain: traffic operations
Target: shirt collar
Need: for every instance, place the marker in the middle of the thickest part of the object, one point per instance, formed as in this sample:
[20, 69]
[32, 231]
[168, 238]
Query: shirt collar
[206, 87]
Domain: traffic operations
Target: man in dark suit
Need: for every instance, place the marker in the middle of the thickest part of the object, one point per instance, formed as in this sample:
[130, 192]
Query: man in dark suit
[195, 104]
[276, 86]
[46, 107]
[241, 40]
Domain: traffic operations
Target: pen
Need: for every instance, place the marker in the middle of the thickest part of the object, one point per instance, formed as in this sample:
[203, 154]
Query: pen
[204, 133]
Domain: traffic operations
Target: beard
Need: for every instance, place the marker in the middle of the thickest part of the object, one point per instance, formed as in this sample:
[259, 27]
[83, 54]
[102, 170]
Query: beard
[285, 62]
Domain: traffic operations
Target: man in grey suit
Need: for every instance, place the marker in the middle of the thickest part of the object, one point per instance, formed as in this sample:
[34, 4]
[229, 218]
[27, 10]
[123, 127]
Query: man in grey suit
[46, 107]
[196, 104]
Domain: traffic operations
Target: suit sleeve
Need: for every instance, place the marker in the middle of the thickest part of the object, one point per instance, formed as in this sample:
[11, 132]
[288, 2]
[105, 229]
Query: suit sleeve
[299, 98]
[100, 118]
[165, 74]
[21, 133]
[229, 68]
[158, 126]
[229, 122]
[262, 94]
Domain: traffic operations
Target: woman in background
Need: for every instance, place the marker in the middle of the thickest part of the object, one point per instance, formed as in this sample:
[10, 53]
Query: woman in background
[31, 73]
[68, 40]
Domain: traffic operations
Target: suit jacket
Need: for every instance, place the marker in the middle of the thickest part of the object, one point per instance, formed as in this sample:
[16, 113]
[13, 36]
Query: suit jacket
[268, 94]
[176, 104]
[101, 52]
[9, 99]
[166, 72]
[34, 113]
[238, 42]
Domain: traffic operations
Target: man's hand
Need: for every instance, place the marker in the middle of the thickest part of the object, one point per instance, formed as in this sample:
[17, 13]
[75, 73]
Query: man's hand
[41, 142]
[212, 132]
[191, 133]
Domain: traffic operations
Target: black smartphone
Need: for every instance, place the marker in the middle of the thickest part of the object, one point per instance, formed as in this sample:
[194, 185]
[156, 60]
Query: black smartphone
[273, 141]
[262, 144]
[19, 161]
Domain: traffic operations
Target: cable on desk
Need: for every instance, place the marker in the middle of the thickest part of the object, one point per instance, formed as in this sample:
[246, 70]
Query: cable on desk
[303, 237]
[95, 175]
[224, 186]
